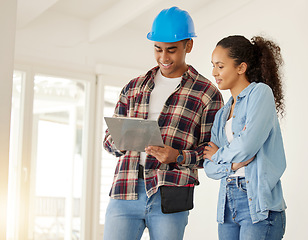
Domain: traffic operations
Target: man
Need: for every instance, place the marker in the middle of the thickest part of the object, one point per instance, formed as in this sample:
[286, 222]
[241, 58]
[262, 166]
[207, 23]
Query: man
[184, 103]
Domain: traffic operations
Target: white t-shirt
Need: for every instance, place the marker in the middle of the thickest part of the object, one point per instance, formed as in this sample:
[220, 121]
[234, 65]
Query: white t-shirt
[228, 128]
[163, 88]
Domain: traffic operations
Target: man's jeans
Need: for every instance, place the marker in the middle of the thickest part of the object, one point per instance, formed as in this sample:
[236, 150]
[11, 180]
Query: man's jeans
[238, 224]
[127, 219]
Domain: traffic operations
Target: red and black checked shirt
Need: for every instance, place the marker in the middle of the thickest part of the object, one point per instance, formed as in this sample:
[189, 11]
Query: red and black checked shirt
[185, 123]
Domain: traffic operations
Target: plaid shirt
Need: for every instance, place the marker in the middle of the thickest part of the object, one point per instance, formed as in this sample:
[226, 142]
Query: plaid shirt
[185, 123]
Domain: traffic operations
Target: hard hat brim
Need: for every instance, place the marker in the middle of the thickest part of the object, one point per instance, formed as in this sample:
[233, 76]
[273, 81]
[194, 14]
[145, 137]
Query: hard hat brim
[157, 38]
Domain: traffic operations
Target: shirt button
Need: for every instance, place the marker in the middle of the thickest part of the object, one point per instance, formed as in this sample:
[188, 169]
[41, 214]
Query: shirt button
[233, 133]
[233, 116]
[247, 181]
[250, 199]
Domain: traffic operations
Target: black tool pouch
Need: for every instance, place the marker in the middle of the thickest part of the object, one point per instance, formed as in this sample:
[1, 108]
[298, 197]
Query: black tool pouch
[177, 199]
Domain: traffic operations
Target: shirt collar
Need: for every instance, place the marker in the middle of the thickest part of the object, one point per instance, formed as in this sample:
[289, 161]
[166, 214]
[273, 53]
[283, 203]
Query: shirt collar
[242, 93]
[191, 72]
[247, 90]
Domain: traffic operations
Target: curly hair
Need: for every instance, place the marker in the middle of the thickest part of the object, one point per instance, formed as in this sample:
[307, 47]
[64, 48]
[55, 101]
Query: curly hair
[263, 59]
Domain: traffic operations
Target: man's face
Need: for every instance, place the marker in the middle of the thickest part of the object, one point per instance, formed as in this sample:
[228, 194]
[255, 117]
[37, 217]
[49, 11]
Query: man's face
[171, 57]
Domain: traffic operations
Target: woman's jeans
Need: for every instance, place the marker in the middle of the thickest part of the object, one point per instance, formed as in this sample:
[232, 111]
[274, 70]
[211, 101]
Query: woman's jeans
[127, 219]
[238, 224]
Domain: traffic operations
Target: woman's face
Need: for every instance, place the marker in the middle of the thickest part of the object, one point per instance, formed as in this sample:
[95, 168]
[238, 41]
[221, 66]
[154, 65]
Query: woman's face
[225, 71]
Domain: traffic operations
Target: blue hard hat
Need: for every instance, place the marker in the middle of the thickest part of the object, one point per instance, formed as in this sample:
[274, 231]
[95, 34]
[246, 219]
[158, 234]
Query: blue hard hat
[172, 25]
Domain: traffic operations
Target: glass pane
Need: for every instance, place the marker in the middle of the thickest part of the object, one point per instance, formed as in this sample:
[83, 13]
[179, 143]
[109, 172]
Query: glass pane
[57, 165]
[14, 165]
[111, 96]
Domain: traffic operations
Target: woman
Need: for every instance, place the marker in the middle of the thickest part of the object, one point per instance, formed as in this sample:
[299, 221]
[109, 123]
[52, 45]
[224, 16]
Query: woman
[246, 150]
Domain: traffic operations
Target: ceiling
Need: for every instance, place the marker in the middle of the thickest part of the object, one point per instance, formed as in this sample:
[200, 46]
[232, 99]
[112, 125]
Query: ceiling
[104, 33]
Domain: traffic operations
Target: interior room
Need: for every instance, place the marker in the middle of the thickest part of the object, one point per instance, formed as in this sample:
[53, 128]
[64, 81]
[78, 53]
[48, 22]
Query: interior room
[63, 64]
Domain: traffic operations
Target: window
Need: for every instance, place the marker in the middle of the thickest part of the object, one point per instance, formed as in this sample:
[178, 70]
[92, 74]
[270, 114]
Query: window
[57, 163]
[56, 189]
[49, 154]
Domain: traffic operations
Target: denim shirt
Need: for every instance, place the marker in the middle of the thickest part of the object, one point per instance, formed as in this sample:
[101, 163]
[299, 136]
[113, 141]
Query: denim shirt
[256, 132]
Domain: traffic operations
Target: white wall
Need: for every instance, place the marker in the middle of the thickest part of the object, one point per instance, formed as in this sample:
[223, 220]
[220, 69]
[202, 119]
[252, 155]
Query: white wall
[286, 23]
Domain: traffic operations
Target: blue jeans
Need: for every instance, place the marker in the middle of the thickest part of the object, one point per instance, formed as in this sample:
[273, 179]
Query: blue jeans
[237, 222]
[127, 219]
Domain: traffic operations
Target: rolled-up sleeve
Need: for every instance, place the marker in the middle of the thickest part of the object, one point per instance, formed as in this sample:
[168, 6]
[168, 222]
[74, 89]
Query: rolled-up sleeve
[213, 170]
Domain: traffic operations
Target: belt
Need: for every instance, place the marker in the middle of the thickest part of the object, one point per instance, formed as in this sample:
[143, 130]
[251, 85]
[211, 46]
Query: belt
[141, 172]
[235, 178]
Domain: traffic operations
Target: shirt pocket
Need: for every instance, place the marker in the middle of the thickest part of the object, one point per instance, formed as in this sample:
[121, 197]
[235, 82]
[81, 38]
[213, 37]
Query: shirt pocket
[243, 121]
[239, 124]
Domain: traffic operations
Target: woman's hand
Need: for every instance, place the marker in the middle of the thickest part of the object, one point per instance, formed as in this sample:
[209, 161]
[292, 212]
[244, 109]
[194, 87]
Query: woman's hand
[209, 151]
[236, 166]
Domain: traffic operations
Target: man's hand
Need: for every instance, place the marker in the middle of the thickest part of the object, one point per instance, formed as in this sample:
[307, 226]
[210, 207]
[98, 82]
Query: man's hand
[164, 154]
